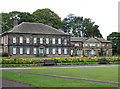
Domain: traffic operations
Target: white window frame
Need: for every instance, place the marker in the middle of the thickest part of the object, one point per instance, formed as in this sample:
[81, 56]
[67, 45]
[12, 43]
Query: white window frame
[28, 51]
[47, 40]
[86, 44]
[34, 40]
[47, 50]
[65, 41]
[21, 39]
[65, 50]
[77, 44]
[98, 44]
[14, 39]
[27, 40]
[59, 41]
[21, 50]
[53, 51]
[34, 50]
[53, 40]
[59, 51]
[41, 40]
[14, 50]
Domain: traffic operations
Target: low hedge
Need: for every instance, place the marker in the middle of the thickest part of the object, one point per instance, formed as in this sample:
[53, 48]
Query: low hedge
[58, 60]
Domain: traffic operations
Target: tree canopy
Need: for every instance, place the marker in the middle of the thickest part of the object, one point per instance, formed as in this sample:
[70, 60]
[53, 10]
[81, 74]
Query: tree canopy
[80, 27]
[46, 16]
[115, 38]
[75, 25]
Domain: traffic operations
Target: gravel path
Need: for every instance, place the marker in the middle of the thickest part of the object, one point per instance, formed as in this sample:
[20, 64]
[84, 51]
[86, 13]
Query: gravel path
[11, 83]
[63, 66]
[74, 78]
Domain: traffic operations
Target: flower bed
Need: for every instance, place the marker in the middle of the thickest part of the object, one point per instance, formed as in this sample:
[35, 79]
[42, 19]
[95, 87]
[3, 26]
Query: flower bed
[58, 60]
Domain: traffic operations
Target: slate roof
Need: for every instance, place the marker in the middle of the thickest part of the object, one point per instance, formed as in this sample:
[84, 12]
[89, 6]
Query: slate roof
[92, 40]
[78, 38]
[102, 40]
[36, 28]
[83, 39]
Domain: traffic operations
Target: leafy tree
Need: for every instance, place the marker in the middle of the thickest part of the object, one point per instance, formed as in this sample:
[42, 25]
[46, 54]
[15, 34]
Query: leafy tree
[80, 27]
[46, 16]
[8, 18]
[115, 38]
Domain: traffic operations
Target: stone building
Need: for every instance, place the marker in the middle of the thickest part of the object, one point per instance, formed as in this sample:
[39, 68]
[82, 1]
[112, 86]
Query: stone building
[35, 39]
[81, 46]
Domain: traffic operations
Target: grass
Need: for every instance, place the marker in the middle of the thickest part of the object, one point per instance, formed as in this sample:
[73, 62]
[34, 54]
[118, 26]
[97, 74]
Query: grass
[45, 81]
[99, 73]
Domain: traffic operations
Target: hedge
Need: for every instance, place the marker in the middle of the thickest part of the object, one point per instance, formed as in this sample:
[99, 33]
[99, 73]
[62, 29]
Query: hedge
[58, 60]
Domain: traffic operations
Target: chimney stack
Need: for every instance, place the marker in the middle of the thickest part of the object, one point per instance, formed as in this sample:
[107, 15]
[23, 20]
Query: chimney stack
[15, 22]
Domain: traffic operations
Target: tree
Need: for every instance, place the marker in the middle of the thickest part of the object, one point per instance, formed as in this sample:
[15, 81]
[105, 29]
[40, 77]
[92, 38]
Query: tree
[115, 38]
[81, 27]
[46, 16]
[8, 18]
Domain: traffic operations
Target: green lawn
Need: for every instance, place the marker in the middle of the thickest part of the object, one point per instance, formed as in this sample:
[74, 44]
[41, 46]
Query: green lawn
[108, 73]
[45, 81]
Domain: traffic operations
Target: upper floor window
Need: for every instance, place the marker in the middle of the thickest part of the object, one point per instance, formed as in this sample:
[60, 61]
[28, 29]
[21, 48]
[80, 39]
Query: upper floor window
[65, 41]
[21, 39]
[47, 40]
[59, 50]
[53, 40]
[28, 50]
[21, 50]
[14, 50]
[65, 50]
[98, 44]
[41, 40]
[27, 40]
[35, 50]
[14, 39]
[53, 51]
[35, 40]
[59, 41]
[47, 50]
[92, 44]
[77, 44]
[86, 44]
[103, 44]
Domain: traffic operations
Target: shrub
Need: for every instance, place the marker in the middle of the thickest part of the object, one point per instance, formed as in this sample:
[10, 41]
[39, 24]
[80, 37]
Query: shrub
[4, 54]
[58, 60]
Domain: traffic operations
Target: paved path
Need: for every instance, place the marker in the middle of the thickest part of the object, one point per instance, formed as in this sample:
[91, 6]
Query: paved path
[66, 77]
[11, 83]
[63, 66]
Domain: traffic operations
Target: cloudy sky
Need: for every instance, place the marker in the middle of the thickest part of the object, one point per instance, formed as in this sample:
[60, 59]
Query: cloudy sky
[103, 12]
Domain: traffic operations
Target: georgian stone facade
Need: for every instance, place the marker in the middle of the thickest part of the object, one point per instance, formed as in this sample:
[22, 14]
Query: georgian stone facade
[90, 46]
[23, 44]
[36, 39]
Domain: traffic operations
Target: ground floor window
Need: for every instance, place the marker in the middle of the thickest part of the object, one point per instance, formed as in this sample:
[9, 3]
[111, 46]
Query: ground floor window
[65, 50]
[35, 50]
[28, 50]
[21, 50]
[59, 50]
[47, 50]
[53, 51]
[14, 50]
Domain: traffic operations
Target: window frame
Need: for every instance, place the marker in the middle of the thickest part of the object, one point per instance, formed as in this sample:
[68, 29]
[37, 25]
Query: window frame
[28, 51]
[14, 50]
[14, 39]
[21, 50]
[21, 39]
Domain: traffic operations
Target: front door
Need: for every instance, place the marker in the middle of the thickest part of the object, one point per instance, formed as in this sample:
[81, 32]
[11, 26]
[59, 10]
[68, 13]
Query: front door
[41, 51]
[88, 53]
